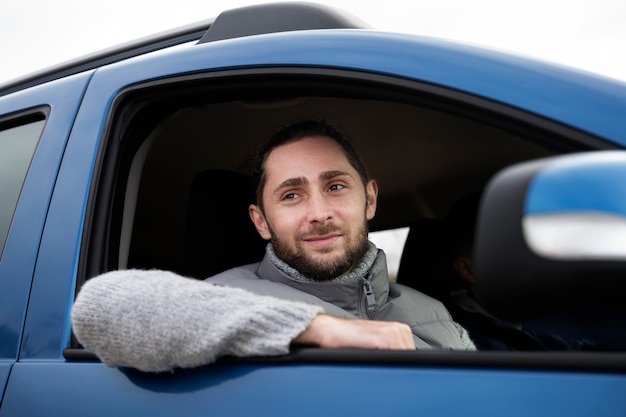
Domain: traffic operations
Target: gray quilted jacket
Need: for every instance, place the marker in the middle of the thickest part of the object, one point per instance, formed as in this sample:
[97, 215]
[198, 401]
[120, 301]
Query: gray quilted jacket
[373, 297]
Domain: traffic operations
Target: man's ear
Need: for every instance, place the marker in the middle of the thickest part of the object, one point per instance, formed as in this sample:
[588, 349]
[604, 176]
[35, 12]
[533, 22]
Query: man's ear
[463, 267]
[371, 195]
[256, 214]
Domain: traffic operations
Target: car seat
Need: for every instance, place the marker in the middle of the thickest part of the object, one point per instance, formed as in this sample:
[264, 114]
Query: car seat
[219, 233]
[423, 264]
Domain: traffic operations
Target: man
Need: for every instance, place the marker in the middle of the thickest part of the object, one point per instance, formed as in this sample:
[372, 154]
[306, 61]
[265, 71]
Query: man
[321, 281]
[313, 203]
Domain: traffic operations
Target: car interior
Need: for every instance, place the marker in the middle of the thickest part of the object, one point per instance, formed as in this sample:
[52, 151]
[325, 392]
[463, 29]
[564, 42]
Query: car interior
[174, 188]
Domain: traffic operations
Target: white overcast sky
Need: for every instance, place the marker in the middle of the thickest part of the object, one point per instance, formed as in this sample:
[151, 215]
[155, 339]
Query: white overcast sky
[587, 34]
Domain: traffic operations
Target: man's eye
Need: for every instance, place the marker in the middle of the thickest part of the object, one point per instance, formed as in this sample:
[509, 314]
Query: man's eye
[290, 196]
[336, 187]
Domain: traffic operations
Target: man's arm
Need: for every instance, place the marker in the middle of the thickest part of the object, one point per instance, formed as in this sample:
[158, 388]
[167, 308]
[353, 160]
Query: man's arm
[333, 332]
[157, 321]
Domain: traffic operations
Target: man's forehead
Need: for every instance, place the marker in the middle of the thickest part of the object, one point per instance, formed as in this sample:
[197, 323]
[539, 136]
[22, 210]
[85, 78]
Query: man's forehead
[308, 146]
[314, 153]
[307, 159]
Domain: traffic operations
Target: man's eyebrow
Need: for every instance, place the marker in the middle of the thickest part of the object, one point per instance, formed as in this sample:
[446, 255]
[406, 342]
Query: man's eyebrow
[324, 176]
[291, 182]
[329, 175]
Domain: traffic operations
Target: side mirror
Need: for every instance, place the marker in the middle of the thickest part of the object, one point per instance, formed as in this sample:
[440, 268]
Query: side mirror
[551, 236]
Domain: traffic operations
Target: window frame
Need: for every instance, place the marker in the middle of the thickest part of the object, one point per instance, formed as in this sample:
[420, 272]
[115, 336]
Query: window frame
[98, 238]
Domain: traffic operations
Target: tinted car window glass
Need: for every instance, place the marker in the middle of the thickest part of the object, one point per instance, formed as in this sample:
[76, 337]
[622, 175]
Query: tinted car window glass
[17, 146]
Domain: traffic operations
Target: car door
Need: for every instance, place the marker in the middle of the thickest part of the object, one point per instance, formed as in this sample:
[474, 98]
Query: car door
[34, 127]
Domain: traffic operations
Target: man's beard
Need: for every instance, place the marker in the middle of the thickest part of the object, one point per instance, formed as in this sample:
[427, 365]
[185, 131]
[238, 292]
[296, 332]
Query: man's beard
[320, 270]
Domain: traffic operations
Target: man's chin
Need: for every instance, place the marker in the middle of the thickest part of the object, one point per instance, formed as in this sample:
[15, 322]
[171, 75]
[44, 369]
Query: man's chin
[320, 264]
[326, 256]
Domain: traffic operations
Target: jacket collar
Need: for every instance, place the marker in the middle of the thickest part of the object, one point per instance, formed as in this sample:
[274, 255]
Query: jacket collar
[348, 294]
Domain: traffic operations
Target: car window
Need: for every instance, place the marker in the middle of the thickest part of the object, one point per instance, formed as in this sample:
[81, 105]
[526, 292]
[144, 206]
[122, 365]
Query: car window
[392, 242]
[17, 146]
[181, 180]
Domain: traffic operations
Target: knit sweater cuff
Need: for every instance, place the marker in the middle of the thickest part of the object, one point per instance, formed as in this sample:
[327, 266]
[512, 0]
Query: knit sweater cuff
[157, 321]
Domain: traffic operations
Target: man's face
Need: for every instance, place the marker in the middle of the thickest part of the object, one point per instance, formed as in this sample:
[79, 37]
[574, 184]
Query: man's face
[315, 208]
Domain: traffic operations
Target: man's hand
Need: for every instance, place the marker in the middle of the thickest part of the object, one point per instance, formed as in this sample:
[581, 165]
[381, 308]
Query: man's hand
[332, 332]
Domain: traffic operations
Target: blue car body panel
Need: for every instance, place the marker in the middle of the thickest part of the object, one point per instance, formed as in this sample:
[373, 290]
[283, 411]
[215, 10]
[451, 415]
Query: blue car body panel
[45, 241]
[60, 99]
[252, 390]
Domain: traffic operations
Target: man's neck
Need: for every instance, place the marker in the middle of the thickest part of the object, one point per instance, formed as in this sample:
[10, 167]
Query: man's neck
[360, 270]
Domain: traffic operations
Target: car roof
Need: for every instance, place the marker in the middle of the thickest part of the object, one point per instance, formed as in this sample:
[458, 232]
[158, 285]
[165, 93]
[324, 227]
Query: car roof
[233, 23]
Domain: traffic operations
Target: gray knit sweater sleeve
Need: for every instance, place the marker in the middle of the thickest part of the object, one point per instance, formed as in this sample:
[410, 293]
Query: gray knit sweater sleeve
[157, 321]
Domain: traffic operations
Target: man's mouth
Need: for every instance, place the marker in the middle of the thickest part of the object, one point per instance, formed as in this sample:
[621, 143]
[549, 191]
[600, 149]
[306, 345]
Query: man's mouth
[322, 237]
[322, 240]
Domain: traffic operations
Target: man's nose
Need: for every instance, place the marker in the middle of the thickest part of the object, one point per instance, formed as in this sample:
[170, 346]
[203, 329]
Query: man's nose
[319, 209]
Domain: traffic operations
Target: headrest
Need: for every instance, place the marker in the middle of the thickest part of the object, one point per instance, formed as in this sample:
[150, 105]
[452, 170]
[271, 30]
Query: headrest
[423, 262]
[219, 233]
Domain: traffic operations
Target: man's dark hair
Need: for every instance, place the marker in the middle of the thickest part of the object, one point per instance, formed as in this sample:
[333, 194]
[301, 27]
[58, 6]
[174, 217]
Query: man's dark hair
[294, 133]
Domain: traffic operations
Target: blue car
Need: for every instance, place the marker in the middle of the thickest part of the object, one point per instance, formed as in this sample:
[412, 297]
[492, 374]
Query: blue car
[114, 160]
